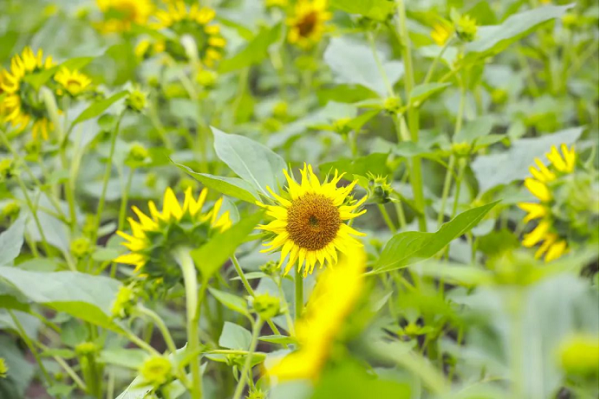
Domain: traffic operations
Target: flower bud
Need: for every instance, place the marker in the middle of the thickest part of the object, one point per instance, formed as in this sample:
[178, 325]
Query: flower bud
[266, 306]
[137, 153]
[137, 100]
[206, 78]
[280, 110]
[6, 169]
[342, 125]
[466, 28]
[156, 371]
[11, 210]
[3, 368]
[381, 190]
[80, 247]
[392, 105]
[124, 302]
[256, 393]
[86, 348]
[579, 355]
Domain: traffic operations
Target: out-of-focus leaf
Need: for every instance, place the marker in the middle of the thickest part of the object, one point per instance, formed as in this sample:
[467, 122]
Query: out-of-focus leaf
[232, 186]
[353, 62]
[211, 256]
[422, 92]
[492, 170]
[38, 79]
[99, 107]
[84, 296]
[230, 301]
[11, 242]
[130, 358]
[494, 39]
[378, 10]
[252, 161]
[410, 247]
[235, 336]
[254, 52]
[475, 130]
[374, 163]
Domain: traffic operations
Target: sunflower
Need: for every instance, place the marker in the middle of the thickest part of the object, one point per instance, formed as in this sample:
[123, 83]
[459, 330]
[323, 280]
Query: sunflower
[307, 25]
[71, 82]
[120, 15]
[197, 22]
[309, 221]
[153, 237]
[21, 103]
[442, 32]
[333, 299]
[541, 186]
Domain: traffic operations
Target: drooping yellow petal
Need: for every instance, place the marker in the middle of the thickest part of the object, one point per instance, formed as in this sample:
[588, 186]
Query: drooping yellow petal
[539, 189]
[534, 211]
[530, 239]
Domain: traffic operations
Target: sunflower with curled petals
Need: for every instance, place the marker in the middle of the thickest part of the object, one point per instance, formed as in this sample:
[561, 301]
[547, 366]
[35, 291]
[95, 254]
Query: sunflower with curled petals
[196, 21]
[121, 15]
[308, 24]
[309, 221]
[71, 82]
[154, 237]
[21, 104]
[545, 180]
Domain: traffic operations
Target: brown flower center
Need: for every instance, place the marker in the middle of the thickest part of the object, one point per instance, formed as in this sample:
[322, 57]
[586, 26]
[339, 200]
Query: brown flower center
[307, 24]
[313, 221]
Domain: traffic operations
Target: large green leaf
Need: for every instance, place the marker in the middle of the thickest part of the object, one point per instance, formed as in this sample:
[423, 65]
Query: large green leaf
[211, 256]
[379, 10]
[230, 301]
[507, 166]
[494, 39]
[11, 242]
[354, 62]
[98, 107]
[232, 186]
[254, 52]
[84, 296]
[235, 336]
[407, 248]
[252, 161]
[422, 92]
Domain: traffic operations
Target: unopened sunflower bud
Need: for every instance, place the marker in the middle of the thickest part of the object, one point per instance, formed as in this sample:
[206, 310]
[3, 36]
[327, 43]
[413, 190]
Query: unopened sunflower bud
[570, 20]
[6, 169]
[579, 355]
[380, 189]
[86, 348]
[137, 100]
[156, 371]
[137, 153]
[466, 28]
[280, 110]
[392, 105]
[256, 393]
[270, 268]
[11, 210]
[3, 368]
[499, 96]
[124, 302]
[266, 306]
[342, 125]
[461, 149]
[80, 247]
[206, 78]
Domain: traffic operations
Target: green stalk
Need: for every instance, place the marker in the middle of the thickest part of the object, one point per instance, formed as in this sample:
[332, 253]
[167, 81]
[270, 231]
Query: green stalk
[125, 198]
[239, 389]
[446, 189]
[107, 173]
[33, 211]
[161, 326]
[387, 218]
[413, 115]
[298, 294]
[182, 256]
[436, 60]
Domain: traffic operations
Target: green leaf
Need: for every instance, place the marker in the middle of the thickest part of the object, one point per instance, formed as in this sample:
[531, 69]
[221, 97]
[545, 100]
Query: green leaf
[373, 163]
[457, 274]
[235, 337]
[231, 186]
[422, 92]
[211, 256]
[11, 242]
[98, 107]
[475, 129]
[252, 161]
[378, 10]
[494, 39]
[84, 296]
[255, 52]
[407, 248]
[278, 339]
[230, 301]
[37, 80]
[353, 62]
[493, 170]
[129, 358]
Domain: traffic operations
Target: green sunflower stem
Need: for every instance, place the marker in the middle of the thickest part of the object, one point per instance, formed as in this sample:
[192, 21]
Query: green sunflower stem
[190, 280]
[239, 389]
[298, 294]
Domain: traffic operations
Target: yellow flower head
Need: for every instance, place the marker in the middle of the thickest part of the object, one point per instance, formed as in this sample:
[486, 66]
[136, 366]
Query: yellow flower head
[552, 245]
[197, 22]
[442, 32]
[120, 15]
[309, 222]
[153, 237]
[21, 104]
[72, 82]
[307, 25]
[333, 299]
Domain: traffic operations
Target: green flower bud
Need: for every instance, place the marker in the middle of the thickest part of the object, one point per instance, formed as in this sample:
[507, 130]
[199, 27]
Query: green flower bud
[137, 153]
[342, 126]
[579, 355]
[466, 28]
[11, 209]
[124, 302]
[280, 110]
[270, 269]
[461, 149]
[206, 78]
[392, 105]
[156, 371]
[80, 247]
[86, 348]
[3, 368]
[570, 20]
[266, 306]
[256, 393]
[380, 189]
[499, 96]
[137, 100]
[6, 169]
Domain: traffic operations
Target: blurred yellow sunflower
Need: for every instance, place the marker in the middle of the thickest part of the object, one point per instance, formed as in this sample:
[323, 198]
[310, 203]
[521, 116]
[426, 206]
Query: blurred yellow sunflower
[21, 103]
[155, 236]
[552, 244]
[333, 299]
[309, 221]
[307, 25]
[71, 82]
[197, 22]
[120, 15]
[442, 32]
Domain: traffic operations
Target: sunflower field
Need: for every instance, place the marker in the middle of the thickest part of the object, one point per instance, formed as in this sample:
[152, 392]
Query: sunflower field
[294, 199]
